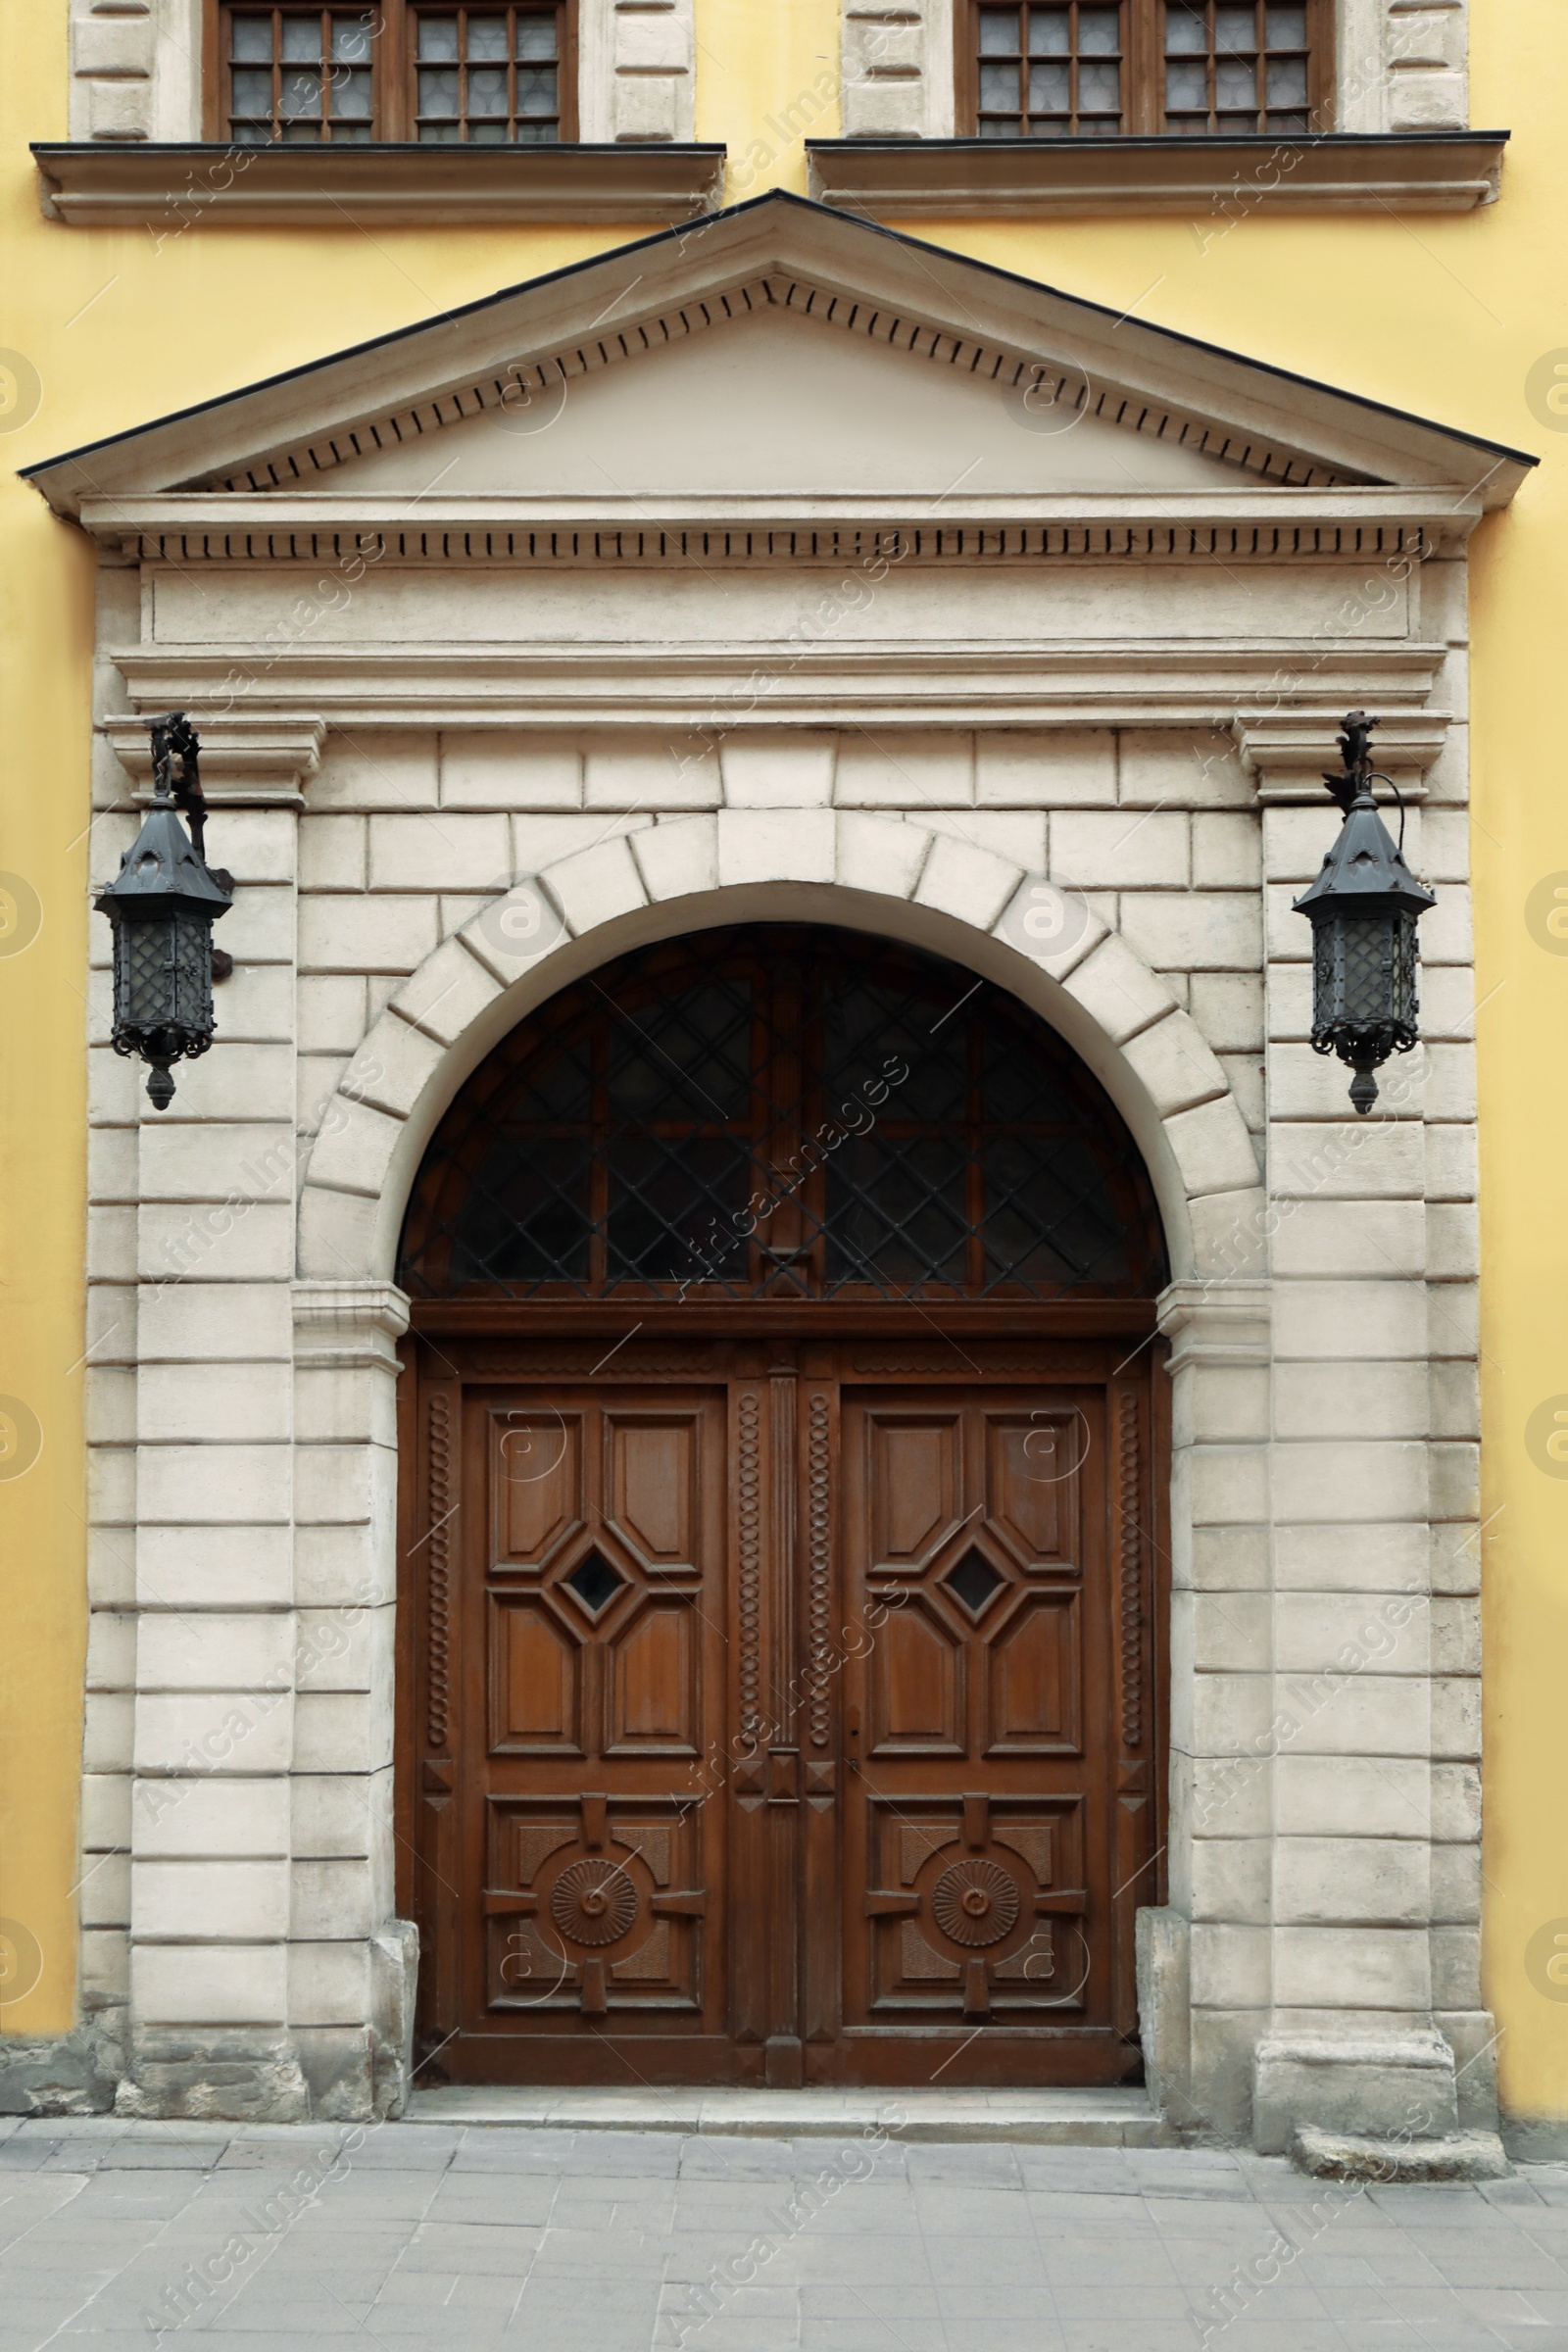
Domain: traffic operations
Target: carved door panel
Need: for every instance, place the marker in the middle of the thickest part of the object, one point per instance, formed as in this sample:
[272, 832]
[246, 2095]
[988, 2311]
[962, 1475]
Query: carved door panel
[988, 1732]
[780, 1725]
[592, 1633]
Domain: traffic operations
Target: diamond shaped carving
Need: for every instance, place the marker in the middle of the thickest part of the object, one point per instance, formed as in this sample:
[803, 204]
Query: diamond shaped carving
[594, 1583]
[974, 1582]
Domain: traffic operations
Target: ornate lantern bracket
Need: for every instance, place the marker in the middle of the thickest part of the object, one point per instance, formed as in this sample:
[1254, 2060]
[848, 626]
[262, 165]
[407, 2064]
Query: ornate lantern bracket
[1363, 908]
[162, 905]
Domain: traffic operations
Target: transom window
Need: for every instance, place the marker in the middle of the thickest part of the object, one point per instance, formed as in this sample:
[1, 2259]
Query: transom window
[495, 76]
[782, 1113]
[1104, 69]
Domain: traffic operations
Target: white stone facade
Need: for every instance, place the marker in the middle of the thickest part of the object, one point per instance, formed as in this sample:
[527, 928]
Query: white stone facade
[1399, 64]
[894, 711]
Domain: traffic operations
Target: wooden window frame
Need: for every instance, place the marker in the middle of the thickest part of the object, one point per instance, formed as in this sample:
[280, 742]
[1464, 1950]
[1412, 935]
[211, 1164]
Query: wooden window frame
[392, 101]
[1143, 51]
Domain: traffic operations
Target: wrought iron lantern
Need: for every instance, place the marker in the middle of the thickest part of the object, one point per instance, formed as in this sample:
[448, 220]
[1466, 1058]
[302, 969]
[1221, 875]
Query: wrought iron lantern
[162, 905]
[1363, 908]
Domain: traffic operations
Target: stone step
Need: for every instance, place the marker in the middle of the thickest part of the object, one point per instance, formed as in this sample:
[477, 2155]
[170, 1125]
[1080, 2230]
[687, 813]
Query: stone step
[1115, 2118]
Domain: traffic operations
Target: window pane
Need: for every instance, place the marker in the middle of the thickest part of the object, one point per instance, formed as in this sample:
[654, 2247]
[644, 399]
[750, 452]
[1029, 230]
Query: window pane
[439, 92]
[1236, 30]
[999, 33]
[1050, 32]
[351, 40]
[253, 93]
[438, 40]
[487, 90]
[536, 35]
[1186, 87]
[351, 97]
[302, 40]
[302, 97]
[1099, 32]
[487, 39]
[536, 90]
[252, 39]
[1098, 90]
[1287, 81]
[1286, 27]
[1050, 92]
[1185, 34]
[993, 127]
[1236, 87]
[999, 88]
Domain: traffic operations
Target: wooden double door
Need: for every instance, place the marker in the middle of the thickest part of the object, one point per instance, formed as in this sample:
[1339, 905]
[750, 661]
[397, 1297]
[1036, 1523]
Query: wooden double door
[781, 1711]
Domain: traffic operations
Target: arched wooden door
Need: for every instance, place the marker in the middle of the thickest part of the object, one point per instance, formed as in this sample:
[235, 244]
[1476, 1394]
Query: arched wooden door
[783, 1620]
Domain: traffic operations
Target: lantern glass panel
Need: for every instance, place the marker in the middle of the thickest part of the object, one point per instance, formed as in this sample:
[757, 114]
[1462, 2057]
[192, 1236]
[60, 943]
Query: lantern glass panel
[164, 974]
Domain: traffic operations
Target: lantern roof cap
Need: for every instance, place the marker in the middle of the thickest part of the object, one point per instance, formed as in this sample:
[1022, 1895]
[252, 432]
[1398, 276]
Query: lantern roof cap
[1363, 868]
[161, 871]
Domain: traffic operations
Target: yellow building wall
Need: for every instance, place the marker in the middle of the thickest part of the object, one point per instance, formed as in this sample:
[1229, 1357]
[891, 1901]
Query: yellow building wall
[1444, 316]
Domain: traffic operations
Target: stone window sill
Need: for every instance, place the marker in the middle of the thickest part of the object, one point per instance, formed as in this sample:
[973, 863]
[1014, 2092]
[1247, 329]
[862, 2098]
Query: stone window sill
[1222, 179]
[114, 185]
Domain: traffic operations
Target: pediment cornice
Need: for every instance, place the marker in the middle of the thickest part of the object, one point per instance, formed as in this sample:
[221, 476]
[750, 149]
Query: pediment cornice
[1277, 431]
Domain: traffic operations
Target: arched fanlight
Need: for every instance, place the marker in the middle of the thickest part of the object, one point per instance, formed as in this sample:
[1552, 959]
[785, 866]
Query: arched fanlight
[1363, 908]
[162, 905]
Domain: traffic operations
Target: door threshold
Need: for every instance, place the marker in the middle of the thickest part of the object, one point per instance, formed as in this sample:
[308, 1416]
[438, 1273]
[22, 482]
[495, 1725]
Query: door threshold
[1115, 2117]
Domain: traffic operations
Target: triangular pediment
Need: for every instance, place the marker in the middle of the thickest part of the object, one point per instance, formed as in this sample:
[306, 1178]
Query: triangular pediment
[778, 351]
[774, 400]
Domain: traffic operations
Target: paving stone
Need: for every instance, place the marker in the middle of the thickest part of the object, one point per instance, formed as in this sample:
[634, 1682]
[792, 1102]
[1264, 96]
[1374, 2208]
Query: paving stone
[517, 2239]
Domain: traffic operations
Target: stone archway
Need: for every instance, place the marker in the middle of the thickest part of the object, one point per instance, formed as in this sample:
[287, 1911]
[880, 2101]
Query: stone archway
[865, 871]
[888, 876]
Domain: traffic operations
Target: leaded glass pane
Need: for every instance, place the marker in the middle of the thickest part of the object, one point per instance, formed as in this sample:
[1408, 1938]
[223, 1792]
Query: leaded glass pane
[1236, 31]
[1186, 86]
[1050, 32]
[252, 41]
[1049, 90]
[487, 39]
[536, 37]
[1287, 81]
[438, 93]
[999, 33]
[1185, 34]
[351, 40]
[302, 40]
[536, 90]
[302, 97]
[775, 1112]
[1236, 88]
[253, 92]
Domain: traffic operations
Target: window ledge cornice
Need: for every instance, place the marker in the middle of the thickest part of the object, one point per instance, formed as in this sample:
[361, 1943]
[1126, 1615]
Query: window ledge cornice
[120, 185]
[1222, 180]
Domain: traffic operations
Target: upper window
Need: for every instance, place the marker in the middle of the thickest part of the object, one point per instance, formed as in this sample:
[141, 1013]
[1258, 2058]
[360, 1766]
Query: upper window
[491, 76]
[1104, 69]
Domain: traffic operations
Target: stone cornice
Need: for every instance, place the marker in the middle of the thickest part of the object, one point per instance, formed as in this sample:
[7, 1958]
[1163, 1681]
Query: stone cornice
[762, 683]
[1216, 181]
[169, 189]
[1248, 522]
